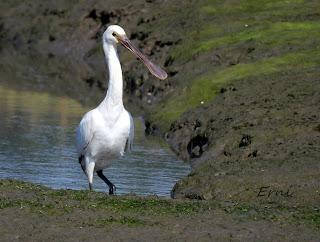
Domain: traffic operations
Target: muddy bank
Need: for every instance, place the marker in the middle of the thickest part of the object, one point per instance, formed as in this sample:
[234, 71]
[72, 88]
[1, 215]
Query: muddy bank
[34, 213]
[259, 132]
[246, 113]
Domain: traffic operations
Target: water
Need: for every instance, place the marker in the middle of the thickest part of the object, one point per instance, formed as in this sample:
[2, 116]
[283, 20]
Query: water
[37, 144]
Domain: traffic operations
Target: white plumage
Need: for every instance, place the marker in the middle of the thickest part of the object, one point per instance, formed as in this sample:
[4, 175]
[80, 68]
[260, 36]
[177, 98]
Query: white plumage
[107, 132]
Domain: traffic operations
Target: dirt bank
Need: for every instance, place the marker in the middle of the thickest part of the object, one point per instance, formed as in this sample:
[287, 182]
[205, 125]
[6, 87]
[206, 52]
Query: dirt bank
[259, 132]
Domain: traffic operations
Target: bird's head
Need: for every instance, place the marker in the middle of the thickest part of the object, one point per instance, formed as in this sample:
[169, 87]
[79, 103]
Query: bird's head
[112, 34]
[115, 34]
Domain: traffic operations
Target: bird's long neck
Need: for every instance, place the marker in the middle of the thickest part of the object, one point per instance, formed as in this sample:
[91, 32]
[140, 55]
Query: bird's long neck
[114, 93]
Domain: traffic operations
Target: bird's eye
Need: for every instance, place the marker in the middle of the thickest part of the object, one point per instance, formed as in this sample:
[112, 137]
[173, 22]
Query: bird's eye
[114, 34]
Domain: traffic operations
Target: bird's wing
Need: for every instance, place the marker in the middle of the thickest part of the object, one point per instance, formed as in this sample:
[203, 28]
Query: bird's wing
[84, 133]
[129, 143]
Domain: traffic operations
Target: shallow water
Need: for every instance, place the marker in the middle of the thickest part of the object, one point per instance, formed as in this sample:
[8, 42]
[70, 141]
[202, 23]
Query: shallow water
[38, 145]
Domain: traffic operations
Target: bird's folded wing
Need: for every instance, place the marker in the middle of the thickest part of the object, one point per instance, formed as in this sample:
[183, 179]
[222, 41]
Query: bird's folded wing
[84, 134]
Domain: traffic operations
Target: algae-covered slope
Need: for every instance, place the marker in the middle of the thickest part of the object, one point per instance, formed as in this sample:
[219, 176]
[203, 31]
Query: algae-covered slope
[237, 40]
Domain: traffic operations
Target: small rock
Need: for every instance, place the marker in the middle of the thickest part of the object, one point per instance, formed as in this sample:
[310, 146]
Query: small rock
[279, 141]
[226, 153]
[51, 38]
[196, 151]
[245, 141]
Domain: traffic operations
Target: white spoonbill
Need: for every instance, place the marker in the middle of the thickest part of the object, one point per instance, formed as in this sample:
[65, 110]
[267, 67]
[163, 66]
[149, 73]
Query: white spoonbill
[107, 131]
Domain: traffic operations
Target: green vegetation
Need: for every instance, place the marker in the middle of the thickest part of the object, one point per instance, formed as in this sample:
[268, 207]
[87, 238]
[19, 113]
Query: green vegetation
[262, 32]
[206, 87]
[46, 200]
[270, 34]
[135, 211]
[282, 28]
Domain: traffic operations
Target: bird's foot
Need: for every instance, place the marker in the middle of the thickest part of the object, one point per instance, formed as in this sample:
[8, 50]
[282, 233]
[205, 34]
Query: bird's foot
[112, 189]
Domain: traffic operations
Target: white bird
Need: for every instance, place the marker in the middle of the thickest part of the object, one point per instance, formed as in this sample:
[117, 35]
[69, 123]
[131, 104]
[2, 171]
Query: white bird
[107, 131]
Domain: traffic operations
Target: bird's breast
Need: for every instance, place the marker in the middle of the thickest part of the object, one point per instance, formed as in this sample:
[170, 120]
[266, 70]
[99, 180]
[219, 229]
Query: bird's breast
[109, 141]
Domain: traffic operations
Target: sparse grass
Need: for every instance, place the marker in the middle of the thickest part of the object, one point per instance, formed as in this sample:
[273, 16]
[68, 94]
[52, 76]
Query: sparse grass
[136, 212]
[311, 216]
[272, 212]
[124, 220]
[67, 200]
[31, 205]
[148, 205]
[128, 210]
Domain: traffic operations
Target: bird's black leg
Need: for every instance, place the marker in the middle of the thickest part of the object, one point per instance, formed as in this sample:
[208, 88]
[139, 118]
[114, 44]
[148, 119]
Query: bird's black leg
[112, 187]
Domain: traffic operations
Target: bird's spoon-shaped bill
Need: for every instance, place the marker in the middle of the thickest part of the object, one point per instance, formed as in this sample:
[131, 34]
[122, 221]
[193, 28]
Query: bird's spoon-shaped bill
[153, 68]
